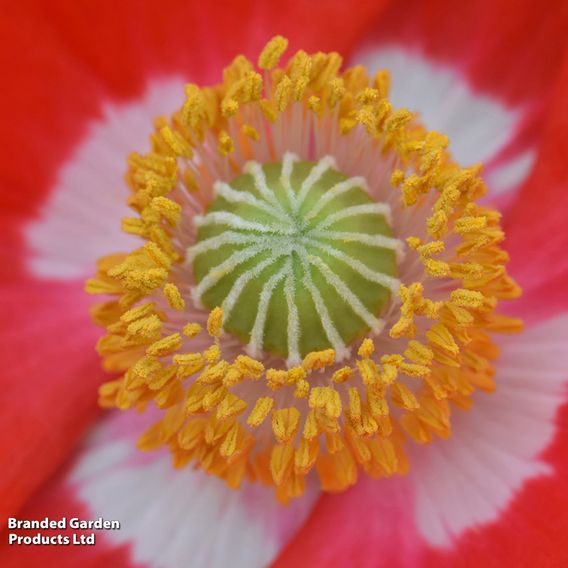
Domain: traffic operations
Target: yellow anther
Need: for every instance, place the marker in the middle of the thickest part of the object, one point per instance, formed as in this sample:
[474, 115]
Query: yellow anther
[229, 107]
[213, 397]
[188, 364]
[212, 354]
[305, 456]
[226, 145]
[146, 366]
[336, 91]
[285, 422]
[302, 389]
[319, 359]
[193, 111]
[215, 322]
[176, 143]
[342, 375]
[147, 327]
[249, 367]
[170, 210]
[382, 83]
[230, 442]
[157, 255]
[368, 119]
[314, 103]
[368, 371]
[354, 404]
[281, 462]
[366, 349]
[378, 404]
[439, 335]
[368, 95]
[296, 374]
[260, 411]
[213, 373]
[437, 224]
[433, 247]
[414, 370]
[327, 400]
[469, 225]
[233, 376]
[311, 429]
[165, 346]
[467, 298]
[276, 378]
[283, 93]
[174, 297]
[397, 178]
[436, 268]
[272, 52]
[267, 110]
[250, 131]
[419, 353]
[138, 312]
[191, 330]
[231, 405]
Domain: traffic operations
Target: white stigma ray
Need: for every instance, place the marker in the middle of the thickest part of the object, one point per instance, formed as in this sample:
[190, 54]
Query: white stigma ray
[225, 268]
[337, 190]
[227, 238]
[314, 176]
[225, 191]
[354, 211]
[255, 169]
[378, 277]
[328, 326]
[245, 278]
[257, 335]
[293, 328]
[236, 222]
[286, 175]
[379, 241]
[346, 294]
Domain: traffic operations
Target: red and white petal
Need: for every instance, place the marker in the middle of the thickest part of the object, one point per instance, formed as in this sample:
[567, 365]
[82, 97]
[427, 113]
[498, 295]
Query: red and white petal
[171, 518]
[478, 126]
[486, 49]
[496, 446]
[462, 486]
[81, 219]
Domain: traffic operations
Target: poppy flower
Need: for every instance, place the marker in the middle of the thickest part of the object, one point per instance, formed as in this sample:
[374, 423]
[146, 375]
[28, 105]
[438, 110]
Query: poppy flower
[310, 299]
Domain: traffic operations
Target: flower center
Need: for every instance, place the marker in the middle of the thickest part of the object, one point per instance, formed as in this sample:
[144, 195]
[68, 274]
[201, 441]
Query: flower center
[278, 201]
[305, 248]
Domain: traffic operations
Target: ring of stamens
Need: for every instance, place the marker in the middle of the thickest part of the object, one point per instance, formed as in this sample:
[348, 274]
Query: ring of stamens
[241, 417]
[299, 244]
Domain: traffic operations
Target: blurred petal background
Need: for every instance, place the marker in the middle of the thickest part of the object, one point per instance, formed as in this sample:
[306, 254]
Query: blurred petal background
[82, 83]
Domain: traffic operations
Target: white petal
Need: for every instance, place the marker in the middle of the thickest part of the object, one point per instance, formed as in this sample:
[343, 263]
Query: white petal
[496, 446]
[177, 518]
[80, 220]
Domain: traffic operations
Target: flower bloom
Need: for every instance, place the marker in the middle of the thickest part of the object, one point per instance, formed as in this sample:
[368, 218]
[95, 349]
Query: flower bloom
[311, 301]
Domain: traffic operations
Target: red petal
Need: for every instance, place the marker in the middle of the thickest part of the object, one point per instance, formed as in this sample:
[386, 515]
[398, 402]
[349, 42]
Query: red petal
[48, 384]
[537, 237]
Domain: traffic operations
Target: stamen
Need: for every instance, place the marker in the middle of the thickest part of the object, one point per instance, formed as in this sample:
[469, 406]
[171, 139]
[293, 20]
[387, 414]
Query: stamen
[253, 229]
